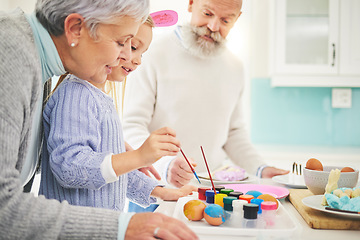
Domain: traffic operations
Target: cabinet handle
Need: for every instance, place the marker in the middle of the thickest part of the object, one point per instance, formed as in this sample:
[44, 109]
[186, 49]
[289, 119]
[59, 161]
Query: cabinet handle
[334, 55]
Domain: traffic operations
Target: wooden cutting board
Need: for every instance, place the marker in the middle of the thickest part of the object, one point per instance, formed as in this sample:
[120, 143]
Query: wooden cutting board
[317, 219]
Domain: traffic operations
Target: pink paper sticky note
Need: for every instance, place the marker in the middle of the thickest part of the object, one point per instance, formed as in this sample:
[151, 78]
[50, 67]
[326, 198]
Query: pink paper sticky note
[164, 18]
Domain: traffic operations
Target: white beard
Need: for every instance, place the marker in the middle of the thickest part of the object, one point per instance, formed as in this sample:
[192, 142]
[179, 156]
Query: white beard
[198, 46]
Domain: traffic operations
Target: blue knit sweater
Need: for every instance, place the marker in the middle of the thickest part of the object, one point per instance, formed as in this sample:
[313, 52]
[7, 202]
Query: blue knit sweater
[81, 127]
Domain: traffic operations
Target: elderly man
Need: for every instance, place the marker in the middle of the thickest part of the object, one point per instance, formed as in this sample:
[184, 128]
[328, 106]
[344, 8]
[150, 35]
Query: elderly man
[191, 82]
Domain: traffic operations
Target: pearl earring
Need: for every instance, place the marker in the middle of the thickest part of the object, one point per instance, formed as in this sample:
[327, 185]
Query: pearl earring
[72, 44]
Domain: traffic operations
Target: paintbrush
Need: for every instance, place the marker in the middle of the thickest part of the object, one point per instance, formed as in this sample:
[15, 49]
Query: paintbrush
[208, 170]
[192, 169]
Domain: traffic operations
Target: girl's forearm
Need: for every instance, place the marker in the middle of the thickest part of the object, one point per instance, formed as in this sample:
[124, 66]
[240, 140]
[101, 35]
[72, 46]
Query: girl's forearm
[126, 162]
[159, 192]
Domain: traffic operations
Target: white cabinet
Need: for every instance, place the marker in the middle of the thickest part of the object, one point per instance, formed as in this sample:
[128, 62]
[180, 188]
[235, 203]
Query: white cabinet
[350, 37]
[316, 43]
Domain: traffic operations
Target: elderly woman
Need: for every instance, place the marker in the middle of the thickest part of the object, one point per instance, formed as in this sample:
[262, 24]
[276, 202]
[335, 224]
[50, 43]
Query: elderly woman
[86, 38]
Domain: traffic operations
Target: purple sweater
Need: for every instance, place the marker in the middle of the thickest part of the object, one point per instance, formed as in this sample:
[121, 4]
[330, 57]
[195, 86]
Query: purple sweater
[81, 127]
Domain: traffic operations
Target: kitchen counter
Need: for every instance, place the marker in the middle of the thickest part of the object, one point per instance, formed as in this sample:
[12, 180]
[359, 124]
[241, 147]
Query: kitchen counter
[283, 156]
[303, 230]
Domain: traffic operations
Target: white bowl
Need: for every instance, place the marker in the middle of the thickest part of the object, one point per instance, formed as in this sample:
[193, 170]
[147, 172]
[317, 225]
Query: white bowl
[316, 180]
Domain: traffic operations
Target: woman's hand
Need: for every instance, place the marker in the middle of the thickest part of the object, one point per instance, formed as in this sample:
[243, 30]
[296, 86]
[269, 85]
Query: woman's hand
[143, 226]
[270, 172]
[173, 194]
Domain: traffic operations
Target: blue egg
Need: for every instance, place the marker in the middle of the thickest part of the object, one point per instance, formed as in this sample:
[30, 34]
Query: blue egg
[214, 214]
[254, 193]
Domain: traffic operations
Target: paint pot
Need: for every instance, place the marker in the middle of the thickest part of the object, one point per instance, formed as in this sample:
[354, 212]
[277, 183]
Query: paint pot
[219, 199]
[201, 192]
[246, 197]
[218, 188]
[228, 203]
[235, 194]
[210, 196]
[269, 213]
[257, 202]
[226, 191]
[250, 215]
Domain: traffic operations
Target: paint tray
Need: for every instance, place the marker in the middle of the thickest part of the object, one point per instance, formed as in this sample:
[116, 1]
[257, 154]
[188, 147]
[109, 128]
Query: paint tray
[285, 226]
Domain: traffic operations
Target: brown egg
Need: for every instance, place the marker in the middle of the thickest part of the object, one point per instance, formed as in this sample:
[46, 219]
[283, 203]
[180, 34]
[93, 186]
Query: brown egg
[268, 197]
[314, 164]
[194, 210]
[213, 221]
[347, 169]
[214, 215]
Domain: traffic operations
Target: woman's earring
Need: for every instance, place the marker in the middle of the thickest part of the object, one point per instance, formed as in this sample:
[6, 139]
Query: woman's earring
[72, 44]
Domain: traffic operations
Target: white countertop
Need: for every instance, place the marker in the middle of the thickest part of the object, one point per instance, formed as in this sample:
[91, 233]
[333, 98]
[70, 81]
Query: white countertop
[303, 230]
[283, 156]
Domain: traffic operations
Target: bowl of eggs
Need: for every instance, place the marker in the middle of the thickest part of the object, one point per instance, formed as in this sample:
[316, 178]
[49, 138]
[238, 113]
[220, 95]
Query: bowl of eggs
[316, 176]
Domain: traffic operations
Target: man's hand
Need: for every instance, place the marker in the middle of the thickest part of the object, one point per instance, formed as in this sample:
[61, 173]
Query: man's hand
[270, 172]
[143, 225]
[179, 172]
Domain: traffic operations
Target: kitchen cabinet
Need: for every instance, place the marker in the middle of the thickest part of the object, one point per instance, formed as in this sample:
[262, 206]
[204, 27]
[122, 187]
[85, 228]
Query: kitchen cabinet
[350, 40]
[316, 43]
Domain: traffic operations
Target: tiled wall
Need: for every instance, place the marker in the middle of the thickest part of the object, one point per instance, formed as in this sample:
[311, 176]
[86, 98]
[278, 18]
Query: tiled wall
[302, 116]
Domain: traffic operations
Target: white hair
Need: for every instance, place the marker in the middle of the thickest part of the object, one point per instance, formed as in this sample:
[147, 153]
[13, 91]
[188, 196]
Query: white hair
[52, 13]
[198, 46]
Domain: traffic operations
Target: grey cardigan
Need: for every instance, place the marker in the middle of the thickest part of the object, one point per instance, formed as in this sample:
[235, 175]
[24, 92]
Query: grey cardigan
[22, 215]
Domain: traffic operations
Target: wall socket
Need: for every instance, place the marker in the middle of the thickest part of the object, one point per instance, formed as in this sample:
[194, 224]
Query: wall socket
[341, 97]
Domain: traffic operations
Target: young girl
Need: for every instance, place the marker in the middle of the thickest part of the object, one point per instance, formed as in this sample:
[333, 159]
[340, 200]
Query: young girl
[84, 159]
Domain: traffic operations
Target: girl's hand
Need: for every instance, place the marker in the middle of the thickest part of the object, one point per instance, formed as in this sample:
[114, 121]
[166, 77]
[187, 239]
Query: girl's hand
[152, 170]
[170, 194]
[128, 147]
[145, 170]
[160, 143]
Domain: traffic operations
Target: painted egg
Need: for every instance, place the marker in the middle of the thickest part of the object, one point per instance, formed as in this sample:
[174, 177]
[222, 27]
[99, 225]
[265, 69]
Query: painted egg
[347, 169]
[314, 164]
[214, 214]
[269, 198]
[194, 210]
[254, 193]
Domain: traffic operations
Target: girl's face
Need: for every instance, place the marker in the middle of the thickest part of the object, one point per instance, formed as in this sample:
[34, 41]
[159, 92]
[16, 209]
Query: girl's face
[93, 60]
[139, 44]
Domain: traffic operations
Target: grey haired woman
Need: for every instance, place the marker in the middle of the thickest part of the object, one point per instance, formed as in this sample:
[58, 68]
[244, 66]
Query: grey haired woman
[86, 38]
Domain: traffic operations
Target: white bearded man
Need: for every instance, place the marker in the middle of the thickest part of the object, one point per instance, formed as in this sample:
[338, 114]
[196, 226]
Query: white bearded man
[192, 83]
